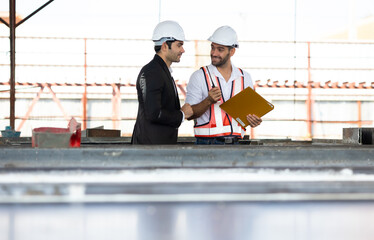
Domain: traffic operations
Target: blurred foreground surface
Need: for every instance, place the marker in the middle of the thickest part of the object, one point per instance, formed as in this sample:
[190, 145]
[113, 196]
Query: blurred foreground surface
[260, 189]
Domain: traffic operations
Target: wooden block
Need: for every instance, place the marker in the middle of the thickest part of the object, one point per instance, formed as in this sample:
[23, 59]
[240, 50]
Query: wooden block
[103, 133]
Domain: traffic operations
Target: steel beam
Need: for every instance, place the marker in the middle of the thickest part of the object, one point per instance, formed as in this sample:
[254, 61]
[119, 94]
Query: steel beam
[33, 13]
[4, 22]
[126, 156]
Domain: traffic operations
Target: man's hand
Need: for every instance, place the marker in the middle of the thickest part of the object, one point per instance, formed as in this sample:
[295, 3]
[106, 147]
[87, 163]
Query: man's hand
[253, 120]
[199, 109]
[187, 110]
[214, 94]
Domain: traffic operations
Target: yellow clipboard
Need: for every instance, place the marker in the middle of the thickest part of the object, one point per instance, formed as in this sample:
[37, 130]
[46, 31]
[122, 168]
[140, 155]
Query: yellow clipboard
[244, 103]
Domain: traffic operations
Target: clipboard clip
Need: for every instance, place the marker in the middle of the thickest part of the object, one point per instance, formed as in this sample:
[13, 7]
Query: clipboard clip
[241, 123]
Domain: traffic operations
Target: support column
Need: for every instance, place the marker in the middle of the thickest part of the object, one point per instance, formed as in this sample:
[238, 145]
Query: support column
[309, 100]
[359, 122]
[116, 105]
[84, 98]
[12, 36]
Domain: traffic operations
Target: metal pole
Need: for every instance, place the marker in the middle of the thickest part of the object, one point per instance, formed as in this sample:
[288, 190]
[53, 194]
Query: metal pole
[115, 105]
[12, 36]
[359, 120]
[85, 87]
[309, 100]
[252, 133]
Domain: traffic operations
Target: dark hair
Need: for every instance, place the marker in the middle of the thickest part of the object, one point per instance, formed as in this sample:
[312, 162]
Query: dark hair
[158, 48]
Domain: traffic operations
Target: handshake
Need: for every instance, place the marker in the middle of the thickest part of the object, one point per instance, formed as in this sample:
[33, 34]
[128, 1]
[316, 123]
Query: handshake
[187, 110]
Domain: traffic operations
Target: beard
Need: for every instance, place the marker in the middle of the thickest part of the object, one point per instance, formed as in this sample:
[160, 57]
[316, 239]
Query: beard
[175, 57]
[218, 61]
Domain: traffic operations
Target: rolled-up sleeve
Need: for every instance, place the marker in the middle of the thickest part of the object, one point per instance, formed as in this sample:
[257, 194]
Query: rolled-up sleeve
[195, 93]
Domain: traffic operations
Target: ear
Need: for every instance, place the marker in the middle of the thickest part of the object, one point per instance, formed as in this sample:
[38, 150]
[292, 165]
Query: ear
[232, 52]
[164, 46]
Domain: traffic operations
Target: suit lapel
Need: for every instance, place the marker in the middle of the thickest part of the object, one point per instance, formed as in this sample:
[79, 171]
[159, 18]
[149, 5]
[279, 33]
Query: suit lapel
[170, 80]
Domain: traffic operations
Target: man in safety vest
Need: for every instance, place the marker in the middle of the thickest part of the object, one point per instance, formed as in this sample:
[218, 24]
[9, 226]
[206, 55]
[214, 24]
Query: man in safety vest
[212, 85]
[159, 111]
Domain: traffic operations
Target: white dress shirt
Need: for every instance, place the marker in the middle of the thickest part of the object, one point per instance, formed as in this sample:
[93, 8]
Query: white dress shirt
[197, 89]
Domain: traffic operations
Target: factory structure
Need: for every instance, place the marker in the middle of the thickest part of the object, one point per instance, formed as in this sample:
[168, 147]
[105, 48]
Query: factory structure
[315, 97]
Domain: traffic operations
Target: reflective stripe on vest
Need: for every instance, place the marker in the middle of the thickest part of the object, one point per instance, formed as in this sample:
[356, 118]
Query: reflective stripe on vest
[220, 123]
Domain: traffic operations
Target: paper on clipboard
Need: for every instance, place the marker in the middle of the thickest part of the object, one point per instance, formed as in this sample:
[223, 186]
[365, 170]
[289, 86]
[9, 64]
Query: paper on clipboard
[244, 103]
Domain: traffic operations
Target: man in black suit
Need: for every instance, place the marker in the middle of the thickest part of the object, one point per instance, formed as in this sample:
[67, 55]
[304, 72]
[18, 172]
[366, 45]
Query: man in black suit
[159, 111]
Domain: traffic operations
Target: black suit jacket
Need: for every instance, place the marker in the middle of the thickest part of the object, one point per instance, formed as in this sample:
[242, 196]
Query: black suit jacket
[159, 114]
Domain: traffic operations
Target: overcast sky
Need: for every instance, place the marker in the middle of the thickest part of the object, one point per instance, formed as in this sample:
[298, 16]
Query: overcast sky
[252, 19]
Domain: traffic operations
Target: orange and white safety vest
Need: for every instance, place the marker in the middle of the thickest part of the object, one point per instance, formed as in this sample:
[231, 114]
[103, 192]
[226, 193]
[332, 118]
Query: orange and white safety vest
[220, 123]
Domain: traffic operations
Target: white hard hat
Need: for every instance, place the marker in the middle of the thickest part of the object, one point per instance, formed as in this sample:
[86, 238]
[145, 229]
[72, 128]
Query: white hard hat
[226, 36]
[166, 31]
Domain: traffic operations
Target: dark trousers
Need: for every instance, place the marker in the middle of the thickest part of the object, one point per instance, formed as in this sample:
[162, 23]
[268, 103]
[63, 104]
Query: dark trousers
[217, 141]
